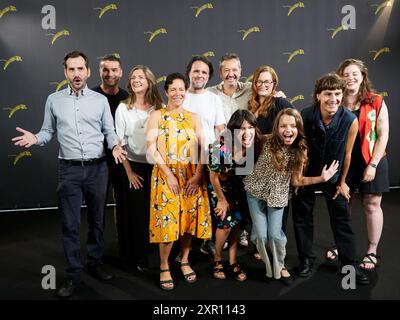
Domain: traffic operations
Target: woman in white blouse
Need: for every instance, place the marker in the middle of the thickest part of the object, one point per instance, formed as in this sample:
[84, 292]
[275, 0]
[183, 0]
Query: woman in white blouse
[130, 122]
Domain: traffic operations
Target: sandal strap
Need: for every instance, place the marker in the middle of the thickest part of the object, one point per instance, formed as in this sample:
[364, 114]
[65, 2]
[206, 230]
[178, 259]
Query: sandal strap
[167, 281]
[367, 259]
[184, 264]
[164, 270]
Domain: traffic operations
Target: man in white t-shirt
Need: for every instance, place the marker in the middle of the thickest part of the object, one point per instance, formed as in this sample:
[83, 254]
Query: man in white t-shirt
[206, 104]
[209, 108]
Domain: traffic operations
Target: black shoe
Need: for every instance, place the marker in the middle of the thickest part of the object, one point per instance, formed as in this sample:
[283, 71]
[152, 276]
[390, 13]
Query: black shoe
[67, 288]
[99, 273]
[287, 281]
[361, 277]
[304, 270]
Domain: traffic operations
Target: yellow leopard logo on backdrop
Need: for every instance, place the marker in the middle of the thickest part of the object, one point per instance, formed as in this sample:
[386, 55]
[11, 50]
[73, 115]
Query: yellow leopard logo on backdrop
[293, 54]
[7, 9]
[155, 33]
[383, 94]
[247, 79]
[14, 109]
[294, 7]
[248, 31]
[59, 85]
[115, 54]
[58, 35]
[379, 52]
[161, 79]
[296, 98]
[335, 31]
[20, 156]
[379, 7]
[202, 8]
[111, 6]
[207, 54]
[7, 62]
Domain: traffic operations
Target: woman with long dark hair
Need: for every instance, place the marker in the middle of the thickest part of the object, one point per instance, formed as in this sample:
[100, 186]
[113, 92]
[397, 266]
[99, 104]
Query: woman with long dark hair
[280, 164]
[234, 151]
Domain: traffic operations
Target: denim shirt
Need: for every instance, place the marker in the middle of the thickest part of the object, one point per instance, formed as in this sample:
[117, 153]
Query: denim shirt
[326, 143]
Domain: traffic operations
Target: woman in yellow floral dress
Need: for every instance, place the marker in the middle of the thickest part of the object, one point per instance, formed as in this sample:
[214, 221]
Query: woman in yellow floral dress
[179, 206]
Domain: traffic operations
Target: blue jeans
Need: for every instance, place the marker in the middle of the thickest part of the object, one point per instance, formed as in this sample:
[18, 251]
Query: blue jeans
[74, 184]
[267, 231]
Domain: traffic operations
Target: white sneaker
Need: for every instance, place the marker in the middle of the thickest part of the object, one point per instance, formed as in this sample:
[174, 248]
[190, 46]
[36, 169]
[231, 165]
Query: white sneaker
[243, 238]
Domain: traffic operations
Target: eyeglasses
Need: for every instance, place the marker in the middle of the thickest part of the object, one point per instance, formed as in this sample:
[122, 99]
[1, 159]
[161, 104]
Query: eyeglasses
[266, 83]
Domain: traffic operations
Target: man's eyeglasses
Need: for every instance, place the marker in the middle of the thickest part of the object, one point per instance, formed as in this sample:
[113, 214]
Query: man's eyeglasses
[266, 83]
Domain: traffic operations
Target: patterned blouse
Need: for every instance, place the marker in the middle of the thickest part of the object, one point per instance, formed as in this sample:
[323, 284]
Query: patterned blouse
[269, 184]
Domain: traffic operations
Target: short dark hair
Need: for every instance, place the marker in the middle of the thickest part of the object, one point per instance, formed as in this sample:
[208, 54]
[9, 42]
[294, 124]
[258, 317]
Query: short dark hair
[229, 56]
[330, 81]
[75, 54]
[173, 76]
[202, 59]
[110, 57]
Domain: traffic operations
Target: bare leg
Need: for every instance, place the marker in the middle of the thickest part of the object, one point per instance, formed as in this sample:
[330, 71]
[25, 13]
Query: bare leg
[186, 242]
[165, 250]
[233, 244]
[374, 218]
[220, 237]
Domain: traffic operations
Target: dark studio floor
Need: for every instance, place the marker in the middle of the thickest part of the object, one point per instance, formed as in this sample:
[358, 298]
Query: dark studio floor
[31, 240]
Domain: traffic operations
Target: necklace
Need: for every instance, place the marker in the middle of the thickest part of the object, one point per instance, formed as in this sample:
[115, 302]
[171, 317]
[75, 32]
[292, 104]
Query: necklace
[143, 119]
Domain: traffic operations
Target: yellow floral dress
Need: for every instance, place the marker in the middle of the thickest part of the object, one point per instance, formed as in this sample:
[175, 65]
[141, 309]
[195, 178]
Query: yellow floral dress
[170, 215]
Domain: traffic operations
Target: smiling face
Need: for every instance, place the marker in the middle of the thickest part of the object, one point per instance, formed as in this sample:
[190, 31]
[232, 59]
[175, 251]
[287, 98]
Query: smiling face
[330, 101]
[110, 73]
[264, 84]
[230, 72]
[176, 93]
[199, 75]
[247, 134]
[287, 129]
[138, 81]
[353, 77]
[76, 73]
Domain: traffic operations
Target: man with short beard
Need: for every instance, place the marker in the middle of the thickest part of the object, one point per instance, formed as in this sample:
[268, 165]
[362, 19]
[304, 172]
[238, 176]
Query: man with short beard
[110, 72]
[209, 108]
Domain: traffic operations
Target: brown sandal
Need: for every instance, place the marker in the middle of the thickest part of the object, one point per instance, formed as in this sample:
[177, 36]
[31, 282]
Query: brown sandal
[187, 276]
[218, 269]
[237, 271]
[164, 283]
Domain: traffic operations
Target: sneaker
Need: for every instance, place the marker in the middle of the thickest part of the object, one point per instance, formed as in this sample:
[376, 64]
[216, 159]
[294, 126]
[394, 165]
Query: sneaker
[225, 245]
[208, 247]
[243, 238]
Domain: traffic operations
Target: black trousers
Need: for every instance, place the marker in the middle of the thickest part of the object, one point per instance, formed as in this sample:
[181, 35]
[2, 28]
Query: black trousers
[134, 218]
[302, 209]
[76, 182]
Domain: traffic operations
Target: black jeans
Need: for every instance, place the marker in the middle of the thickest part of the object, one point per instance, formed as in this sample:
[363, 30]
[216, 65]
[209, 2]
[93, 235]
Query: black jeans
[75, 183]
[303, 206]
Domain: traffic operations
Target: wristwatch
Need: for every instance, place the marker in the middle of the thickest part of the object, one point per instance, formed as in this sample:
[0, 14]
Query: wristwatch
[373, 165]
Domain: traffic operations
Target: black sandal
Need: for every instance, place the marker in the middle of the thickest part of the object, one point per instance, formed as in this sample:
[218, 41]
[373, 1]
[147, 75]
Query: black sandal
[219, 268]
[236, 270]
[334, 254]
[164, 283]
[367, 259]
[187, 276]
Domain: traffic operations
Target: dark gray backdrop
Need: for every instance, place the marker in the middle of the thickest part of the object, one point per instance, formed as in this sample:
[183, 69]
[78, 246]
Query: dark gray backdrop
[32, 181]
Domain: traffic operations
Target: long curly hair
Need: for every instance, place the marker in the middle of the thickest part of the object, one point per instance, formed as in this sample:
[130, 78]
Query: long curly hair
[254, 101]
[366, 86]
[299, 146]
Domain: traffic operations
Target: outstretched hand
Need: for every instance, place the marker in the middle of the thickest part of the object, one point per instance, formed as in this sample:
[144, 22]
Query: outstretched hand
[26, 140]
[326, 174]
